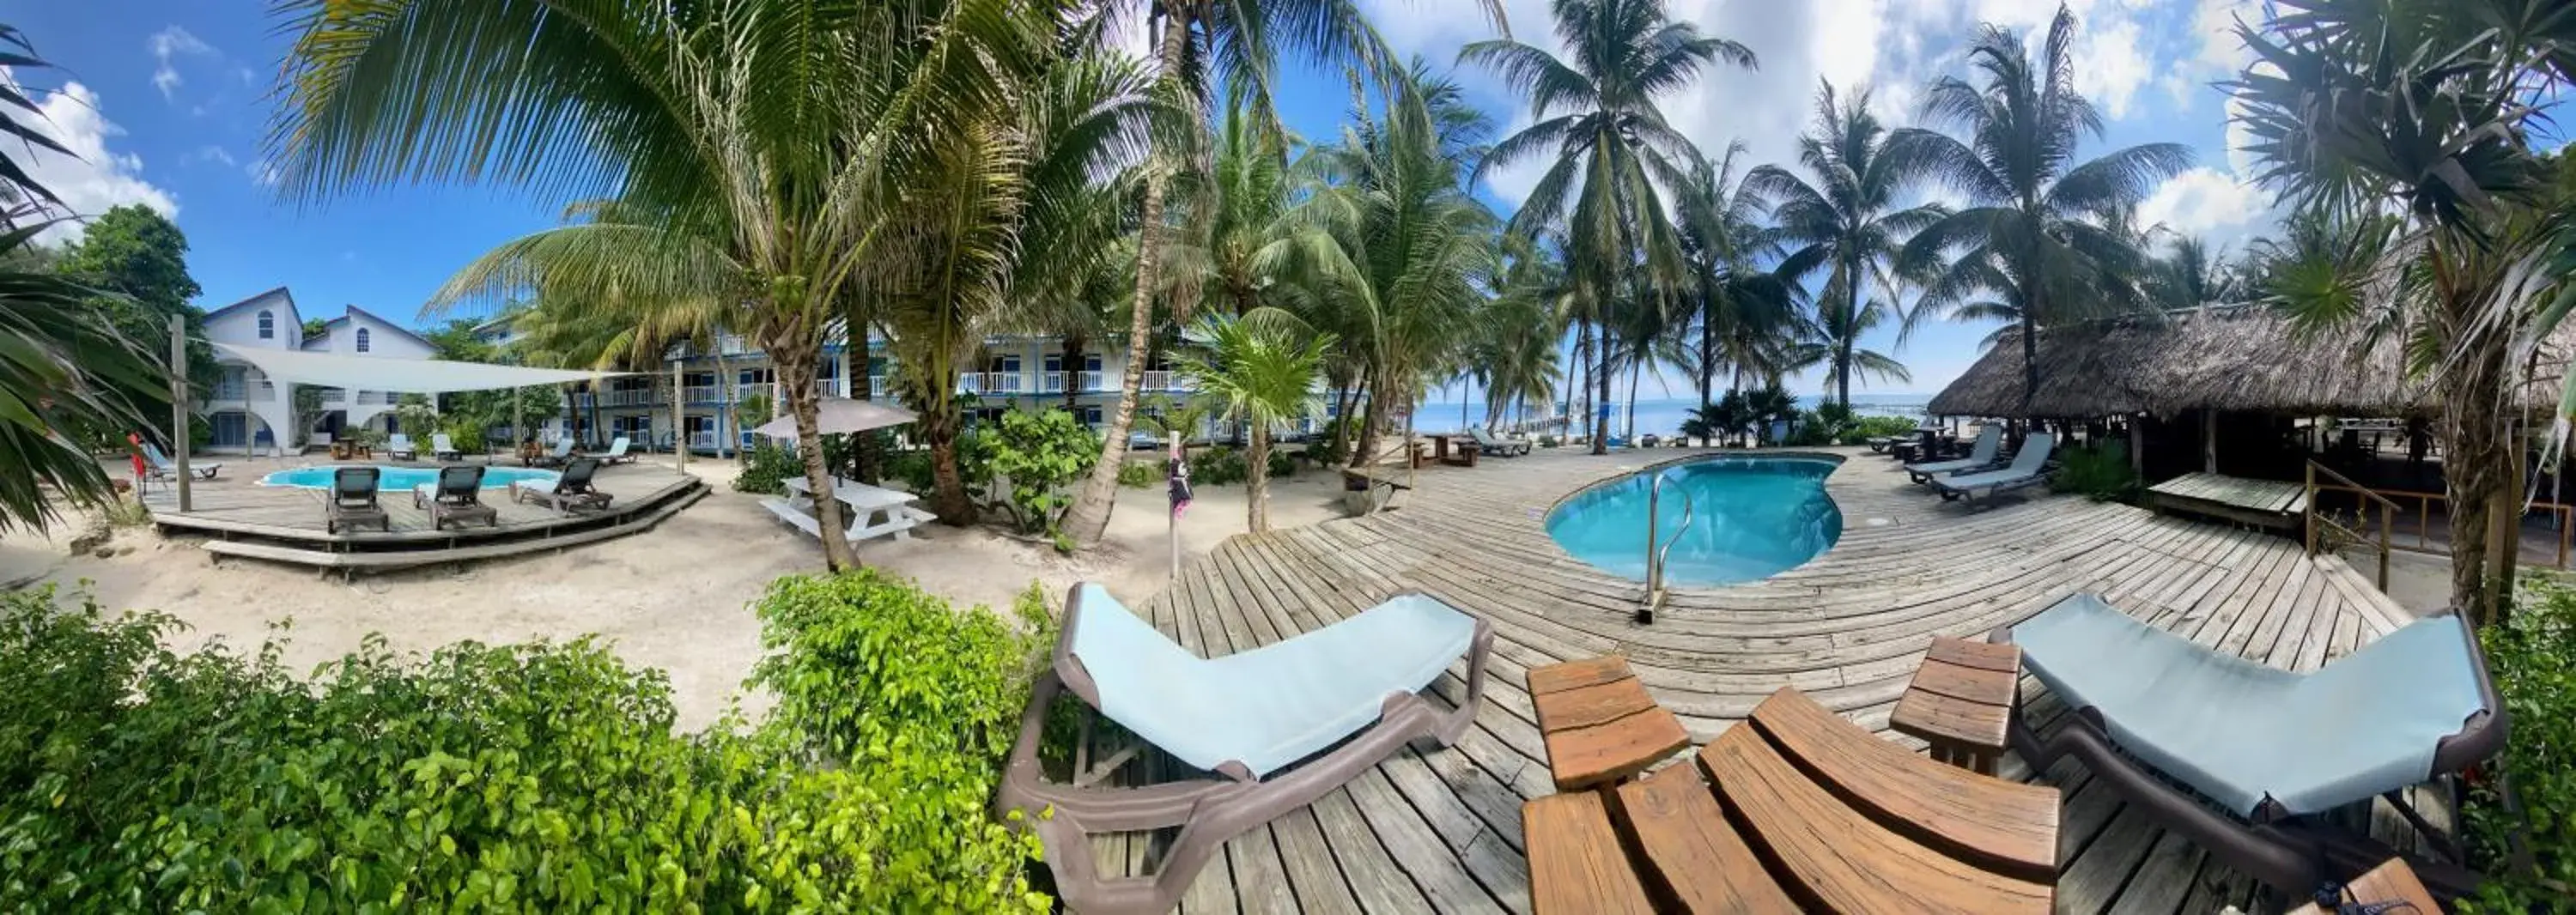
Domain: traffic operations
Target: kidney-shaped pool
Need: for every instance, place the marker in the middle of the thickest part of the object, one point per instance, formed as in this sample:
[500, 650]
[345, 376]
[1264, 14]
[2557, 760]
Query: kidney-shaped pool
[400, 479]
[1736, 519]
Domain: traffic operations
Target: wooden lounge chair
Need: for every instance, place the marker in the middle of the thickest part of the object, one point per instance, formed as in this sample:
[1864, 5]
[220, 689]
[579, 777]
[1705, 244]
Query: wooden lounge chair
[1796, 810]
[400, 448]
[441, 448]
[570, 490]
[1276, 727]
[457, 496]
[353, 501]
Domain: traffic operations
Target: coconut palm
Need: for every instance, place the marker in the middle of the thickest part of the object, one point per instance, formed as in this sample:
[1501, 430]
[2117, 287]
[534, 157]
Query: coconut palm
[1515, 346]
[1257, 369]
[1734, 302]
[1607, 143]
[1833, 343]
[1848, 225]
[1199, 44]
[2031, 247]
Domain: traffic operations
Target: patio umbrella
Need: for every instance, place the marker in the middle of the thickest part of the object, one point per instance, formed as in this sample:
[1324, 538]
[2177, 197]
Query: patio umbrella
[837, 415]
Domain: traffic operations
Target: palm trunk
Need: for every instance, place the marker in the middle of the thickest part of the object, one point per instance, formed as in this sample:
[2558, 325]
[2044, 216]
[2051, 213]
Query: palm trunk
[1572, 379]
[1072, 362]
[1089, 517]
[865, 450]
[2476, 463]
[1634, 369]
[1842, 378]
[725, 422]
[1601, 383]
[2029, 363]
[796, 358]
[1365, 449]
[1707, 362]
[1257, 484]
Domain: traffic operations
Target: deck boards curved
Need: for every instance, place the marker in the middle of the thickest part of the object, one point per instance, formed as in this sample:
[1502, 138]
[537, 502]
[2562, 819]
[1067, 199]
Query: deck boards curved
[1438, 829]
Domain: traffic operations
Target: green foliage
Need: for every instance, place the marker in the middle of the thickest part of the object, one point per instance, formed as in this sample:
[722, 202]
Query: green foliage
[911, 468]
[304, 403]
[766, 467]
[1861, 429]
[1281, 464]
[1834, 424]
[2532, 657]
[1725, 418]
[313, 327]
[416, 418]
[1547, 441]
[1218, 466]
[1040, 453]
[531, 777]
[1813, 429]
[1138, 474]
[1329, 447]
[2100, 473]
[137, 261]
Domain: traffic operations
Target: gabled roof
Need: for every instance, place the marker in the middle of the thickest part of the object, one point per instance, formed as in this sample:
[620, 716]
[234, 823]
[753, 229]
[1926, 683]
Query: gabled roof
[380, 319]
[279, 292]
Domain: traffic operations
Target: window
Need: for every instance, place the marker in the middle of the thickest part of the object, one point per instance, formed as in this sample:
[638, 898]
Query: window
[362, 339]
[1091, 416]
[268, 325]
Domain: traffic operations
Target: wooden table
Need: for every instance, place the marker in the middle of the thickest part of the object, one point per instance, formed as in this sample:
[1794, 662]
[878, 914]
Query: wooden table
[1961, 701]
[1464, 455]
[1598, 723]
[2391, 881]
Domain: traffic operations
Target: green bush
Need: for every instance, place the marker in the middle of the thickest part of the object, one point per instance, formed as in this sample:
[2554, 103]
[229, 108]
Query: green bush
[2533, 659]
[1327, 449]
[1863, 428]
[912, 468]
[536, 777]
[766, 468]
[2100, 473]
[1218, 466]
[1042, 453]
[466, 434]
[1281, 464]
[1139, 474]
[1547, 441]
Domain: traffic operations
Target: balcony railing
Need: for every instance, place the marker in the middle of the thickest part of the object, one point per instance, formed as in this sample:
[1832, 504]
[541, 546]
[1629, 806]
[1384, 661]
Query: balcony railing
[1005, 382]
[335, 395]
[743, 392]
[640, 397]
[1158, 380]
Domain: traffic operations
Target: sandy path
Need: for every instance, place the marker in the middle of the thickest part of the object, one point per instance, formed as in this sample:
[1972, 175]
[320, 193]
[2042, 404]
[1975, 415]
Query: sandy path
[675, 597]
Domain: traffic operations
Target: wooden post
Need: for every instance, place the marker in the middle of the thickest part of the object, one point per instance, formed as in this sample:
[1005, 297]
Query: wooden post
[2209, 440]
[679, 420]
[518, 426]
[179, 408]
[2308, 518]
[2138, 446]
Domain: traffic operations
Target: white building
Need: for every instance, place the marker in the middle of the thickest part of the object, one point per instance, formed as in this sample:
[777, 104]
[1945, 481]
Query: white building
[250, 413]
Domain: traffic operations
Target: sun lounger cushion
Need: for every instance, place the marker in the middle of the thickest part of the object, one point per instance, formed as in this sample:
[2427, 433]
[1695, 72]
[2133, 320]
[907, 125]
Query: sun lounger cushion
[2241, 732]
[1272, 705]
[1989, 440]
[2026, 465]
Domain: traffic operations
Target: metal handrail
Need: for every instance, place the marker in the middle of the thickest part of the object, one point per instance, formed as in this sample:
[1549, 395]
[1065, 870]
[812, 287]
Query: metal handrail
[1655, 555]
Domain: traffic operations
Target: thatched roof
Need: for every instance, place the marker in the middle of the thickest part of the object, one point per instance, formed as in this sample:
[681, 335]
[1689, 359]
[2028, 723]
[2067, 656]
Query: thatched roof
[2225, 357]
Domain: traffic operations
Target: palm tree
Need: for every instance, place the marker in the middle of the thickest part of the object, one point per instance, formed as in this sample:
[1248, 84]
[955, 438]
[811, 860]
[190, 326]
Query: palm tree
[1735, 302]
[1595, 115]
[1833, 341]
[2032, 247]
[1258, 369]
[1515, 346]
[1198, 44]
[2189, 275]
[1847, 224]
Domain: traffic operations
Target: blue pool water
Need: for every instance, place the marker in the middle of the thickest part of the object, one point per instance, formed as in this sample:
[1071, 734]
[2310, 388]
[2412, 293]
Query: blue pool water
[1750, 518]
[399, 479]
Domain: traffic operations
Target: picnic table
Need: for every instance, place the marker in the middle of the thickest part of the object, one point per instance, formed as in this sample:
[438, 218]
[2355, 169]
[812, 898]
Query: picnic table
[1463, 454]
[875, 511]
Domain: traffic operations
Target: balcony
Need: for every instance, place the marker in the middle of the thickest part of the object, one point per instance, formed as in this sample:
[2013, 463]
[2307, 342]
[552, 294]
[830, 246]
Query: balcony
[743, 392]
[1053, 382]
[640, 397]
[1005, 382]
[1161, 380]
[335, 395]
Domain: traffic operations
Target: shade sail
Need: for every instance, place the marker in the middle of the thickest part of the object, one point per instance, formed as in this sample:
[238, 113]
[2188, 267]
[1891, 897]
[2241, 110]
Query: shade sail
[409, 376]
[839, 416]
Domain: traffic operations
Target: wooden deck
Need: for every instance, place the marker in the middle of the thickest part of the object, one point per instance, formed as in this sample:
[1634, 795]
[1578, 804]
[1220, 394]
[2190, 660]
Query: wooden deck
[2270, 503]
[287, 524]
[1437, 830]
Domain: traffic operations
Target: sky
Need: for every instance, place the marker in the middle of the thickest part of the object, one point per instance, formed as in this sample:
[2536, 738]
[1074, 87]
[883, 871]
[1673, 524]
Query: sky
[168, 103]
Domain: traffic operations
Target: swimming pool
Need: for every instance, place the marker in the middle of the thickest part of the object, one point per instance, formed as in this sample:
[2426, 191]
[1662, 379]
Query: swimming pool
[398, 479]
[1750, 518]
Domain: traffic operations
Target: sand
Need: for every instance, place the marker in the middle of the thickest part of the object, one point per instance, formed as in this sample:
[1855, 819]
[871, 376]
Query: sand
[676, 597]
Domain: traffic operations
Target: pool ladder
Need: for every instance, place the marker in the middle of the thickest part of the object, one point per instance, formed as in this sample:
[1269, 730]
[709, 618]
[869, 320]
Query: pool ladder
[1655, 591]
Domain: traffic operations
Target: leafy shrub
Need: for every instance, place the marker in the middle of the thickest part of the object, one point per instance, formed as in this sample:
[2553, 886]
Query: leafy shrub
[912, 468]
[466, 434]
[1813, 429]
[1041, 453]
[1547, 441]
[766, 468]
[1328, 448]
[534, 777]
[1138, 474]
[1863, 428]
[1218, 466]
[2532, 657]
[1281, 464]
[2100, 473]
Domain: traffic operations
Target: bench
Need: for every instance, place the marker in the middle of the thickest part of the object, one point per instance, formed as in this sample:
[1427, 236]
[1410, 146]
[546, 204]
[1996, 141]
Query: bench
[1797, 809]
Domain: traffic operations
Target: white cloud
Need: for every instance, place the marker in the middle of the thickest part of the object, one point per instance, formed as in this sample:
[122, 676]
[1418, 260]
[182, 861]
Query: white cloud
[262, 172]
[94, 178]
[167, 46]
[212, 153]
[2113, 65]
[2210, 205]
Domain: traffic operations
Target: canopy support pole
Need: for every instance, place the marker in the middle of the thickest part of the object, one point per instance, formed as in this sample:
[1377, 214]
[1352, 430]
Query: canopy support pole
[518, 423]
[178, 408]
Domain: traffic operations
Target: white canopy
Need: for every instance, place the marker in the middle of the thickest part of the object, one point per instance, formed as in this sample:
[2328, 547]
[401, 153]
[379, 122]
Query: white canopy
[410, 376]
[841, 415]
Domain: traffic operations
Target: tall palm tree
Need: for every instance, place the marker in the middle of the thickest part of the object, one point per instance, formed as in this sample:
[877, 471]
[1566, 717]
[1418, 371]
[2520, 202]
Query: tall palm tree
[1735, 302]
[2031, 247]
[1515, 347]
[1833, 343]
[1259, 369]
[1200, 44]
[1609, 145]
[1848, 224]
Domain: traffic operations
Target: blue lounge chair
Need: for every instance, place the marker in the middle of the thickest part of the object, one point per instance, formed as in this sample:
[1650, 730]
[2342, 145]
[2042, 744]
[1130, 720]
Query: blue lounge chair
[2029, 467]
[1278, 726]
[1990, 439]
[616, 453]
[400, 448]
[2261, 753]
[162, 469]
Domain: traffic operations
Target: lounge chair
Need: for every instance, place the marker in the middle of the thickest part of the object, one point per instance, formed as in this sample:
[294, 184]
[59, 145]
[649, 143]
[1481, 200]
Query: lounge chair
[457, 496]
[442, 449]
[1277, 726]
[2029, 468]
[2246, 759]
[399, 447]
[557, 457]
[353, 501]
[1990, 439]
[1497, 445]
[162, 469]
[570, 490]
[616, 453]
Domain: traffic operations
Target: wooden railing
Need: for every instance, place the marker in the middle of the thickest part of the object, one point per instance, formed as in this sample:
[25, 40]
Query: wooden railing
[2566, 521]
[2313, 518]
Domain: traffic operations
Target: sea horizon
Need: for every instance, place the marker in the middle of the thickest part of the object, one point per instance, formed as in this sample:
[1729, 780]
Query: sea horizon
[1664, 415]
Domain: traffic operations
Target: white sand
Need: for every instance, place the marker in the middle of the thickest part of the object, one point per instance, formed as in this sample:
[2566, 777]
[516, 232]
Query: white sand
[675, 597]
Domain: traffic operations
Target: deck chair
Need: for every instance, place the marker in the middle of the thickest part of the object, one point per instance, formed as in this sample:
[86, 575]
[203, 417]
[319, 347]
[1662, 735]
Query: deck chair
[443, 449]
[2029, 467]
[400, 448]
[457, 496]
[555, 458]
[163, 469]
[1498, 445]
[353, 501]
[616, 453]
[1990, 439]
[2247, 759]
[570, 490]
[1276, 727]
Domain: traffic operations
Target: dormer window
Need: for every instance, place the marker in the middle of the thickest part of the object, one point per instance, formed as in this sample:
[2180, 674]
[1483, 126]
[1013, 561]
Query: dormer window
[362, 339]
[267, 325]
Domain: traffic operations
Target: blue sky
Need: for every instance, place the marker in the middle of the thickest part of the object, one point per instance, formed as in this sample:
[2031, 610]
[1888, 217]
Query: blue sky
[168, 102]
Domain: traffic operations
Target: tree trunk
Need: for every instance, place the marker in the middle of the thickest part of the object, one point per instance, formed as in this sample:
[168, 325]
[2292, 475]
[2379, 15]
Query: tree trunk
[725, 422]
[1089, 517]
[1634, 369]
[1842, 378]
[1707, 359]
[1072, 362]
[1257, 483]
[2474, 467]
[1601, 384]
[2029, 362]
[1365, 449]
[1572, 379]
[866, 452]
[795, 360]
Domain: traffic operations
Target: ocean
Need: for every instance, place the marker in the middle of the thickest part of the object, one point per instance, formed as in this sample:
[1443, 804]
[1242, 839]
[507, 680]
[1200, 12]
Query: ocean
[1663, 416]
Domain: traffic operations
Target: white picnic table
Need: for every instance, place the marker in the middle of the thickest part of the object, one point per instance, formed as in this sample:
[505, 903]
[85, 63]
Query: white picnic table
[874, 511]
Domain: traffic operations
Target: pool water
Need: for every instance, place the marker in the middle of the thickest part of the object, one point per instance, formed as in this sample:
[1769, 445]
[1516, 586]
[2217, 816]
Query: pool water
[1750, 518]
[400, 479]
